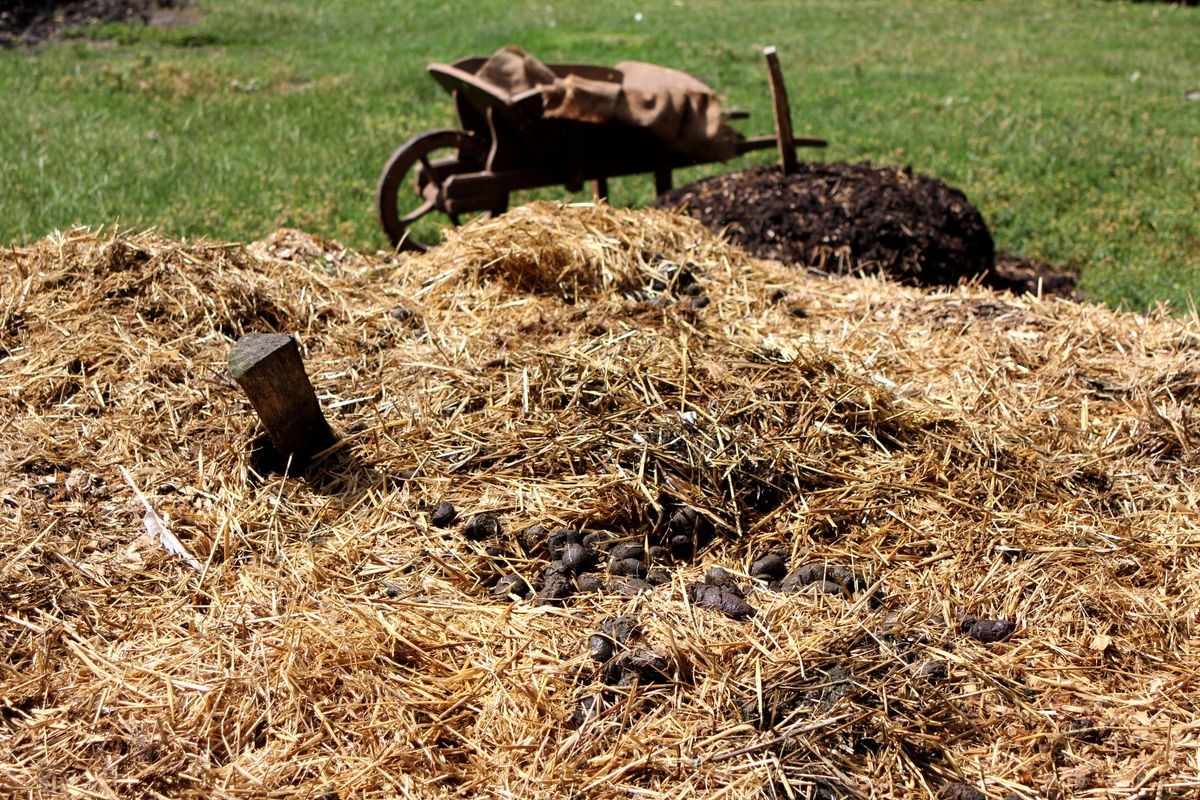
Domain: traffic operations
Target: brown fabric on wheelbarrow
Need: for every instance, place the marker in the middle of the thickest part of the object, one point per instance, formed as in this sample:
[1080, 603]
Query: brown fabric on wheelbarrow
[515, 71]
[677, 108]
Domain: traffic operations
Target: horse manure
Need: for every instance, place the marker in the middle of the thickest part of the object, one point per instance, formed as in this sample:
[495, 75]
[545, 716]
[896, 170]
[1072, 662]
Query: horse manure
[600, 647]
[720, 599]
[719, 576]
[558, 541]
[846, 580]
[772, 566]
[624, 550]
[444, 515]
[481, 526]
[960, 791]
[556, 583]
[632, 567]
[614, 632]
[987, 630]
[589, 582]
[658, 577]
[934, 671]
[512, 585]
[533, 539]
[576, 557]
[642, 667]
[630, 586]
[587, 708]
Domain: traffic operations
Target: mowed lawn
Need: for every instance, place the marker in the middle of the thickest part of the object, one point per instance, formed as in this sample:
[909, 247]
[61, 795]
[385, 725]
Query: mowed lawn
[1067, 123]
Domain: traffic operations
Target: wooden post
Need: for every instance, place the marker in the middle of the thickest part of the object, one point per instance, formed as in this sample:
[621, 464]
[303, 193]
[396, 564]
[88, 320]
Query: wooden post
[783, 113]
[270, 371]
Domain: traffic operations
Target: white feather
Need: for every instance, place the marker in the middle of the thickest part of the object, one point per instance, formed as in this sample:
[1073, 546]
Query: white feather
[155, 527]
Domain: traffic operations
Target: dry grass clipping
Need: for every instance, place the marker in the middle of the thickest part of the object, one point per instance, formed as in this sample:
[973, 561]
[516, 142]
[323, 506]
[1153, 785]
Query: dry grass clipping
[961, 452]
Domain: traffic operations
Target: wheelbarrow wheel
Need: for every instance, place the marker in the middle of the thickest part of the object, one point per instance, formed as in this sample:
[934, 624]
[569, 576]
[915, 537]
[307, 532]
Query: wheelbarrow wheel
[430, 158]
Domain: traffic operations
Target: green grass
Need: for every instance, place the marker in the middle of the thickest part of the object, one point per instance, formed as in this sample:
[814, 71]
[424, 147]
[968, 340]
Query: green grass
[1065, 122]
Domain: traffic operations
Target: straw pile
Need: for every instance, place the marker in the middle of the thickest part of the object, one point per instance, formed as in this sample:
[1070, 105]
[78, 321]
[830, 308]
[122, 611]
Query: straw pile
[958, 530]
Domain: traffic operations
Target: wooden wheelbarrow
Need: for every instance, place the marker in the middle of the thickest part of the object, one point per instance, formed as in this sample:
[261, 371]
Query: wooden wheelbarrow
[505, 144]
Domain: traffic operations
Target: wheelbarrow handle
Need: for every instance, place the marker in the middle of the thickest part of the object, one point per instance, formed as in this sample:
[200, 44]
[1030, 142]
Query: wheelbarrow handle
[752, 143]
[783, 113]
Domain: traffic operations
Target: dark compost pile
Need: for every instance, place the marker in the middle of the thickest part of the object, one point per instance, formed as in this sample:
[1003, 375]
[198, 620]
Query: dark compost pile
[31, 21]
[858, 219]
[846, 218]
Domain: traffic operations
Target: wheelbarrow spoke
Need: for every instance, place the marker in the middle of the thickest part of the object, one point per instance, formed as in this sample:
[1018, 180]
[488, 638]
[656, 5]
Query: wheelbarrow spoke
[429, 173]
[418, 212]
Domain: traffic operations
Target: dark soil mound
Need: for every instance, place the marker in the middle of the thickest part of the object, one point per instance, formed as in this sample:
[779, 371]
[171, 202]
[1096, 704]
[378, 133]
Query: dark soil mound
[846, 218]
[863, 219]
[1030, 276]
[30, 21]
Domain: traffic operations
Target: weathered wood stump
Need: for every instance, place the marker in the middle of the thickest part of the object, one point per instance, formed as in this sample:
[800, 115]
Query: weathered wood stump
[270, 371]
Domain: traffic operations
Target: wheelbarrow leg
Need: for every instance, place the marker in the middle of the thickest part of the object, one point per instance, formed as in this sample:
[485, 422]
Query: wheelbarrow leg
[662, 180]
[600, 188]
[783, 113]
